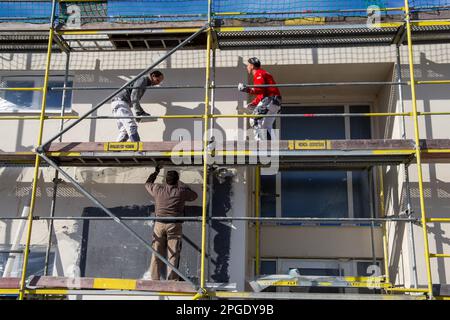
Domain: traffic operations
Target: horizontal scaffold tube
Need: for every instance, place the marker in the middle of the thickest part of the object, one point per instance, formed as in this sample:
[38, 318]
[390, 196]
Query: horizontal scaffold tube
[279, 85]
[218, 116]
[21, 89]
[232, 86]
[266, 219]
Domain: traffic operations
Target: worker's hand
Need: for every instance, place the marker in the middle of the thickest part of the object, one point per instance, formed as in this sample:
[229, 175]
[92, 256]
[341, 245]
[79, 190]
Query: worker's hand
[158, 168]
[141, 114]
[242, 87]
[240, 109]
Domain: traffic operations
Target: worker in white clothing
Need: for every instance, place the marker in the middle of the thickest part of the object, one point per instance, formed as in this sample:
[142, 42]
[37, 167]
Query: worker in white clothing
[128, 99]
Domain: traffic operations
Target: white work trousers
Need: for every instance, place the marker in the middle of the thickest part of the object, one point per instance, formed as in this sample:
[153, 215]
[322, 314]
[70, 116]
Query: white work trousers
[127, 126]
[261, 126]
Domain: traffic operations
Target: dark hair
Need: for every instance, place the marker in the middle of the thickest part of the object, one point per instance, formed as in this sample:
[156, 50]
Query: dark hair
[255, 61]
[172, 178]
[156, 73]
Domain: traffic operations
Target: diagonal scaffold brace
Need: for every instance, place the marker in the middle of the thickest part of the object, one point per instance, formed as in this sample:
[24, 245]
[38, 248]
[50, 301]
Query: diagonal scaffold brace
[40, 149]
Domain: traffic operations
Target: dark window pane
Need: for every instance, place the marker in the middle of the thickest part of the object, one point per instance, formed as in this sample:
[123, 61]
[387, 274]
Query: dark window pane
[360, 126]
[268, 196]
[318, 272]
[23, 99]
[54, 97]
[314, 194]
[36, 263]
[310, 127]
[268, 267]
[361, 205]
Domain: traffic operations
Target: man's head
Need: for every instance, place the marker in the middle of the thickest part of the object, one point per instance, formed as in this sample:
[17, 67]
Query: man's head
[156, 77]
[253, 64]
[172, 178]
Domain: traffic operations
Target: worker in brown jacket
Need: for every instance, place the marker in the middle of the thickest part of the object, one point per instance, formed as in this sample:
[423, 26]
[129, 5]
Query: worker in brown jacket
[167, 235]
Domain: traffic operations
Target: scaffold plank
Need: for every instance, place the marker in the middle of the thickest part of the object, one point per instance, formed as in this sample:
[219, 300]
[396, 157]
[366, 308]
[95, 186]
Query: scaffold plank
[330, 153]
[38, 282]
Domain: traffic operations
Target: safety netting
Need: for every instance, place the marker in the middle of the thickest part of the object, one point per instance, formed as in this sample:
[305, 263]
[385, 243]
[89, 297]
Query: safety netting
[39, 11]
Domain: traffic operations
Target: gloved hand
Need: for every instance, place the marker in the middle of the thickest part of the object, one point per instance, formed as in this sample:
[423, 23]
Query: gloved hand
[242, 87]
[141, 114]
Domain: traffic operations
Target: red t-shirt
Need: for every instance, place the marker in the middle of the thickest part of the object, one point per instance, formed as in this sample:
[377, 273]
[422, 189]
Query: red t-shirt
[263, 77]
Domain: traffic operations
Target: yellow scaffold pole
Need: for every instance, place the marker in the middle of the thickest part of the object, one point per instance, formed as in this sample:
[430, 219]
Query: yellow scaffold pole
[206, 118]
[417, 150]
[37, 161]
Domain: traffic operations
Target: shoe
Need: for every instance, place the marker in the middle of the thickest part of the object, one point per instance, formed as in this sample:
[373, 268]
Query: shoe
[144, 114]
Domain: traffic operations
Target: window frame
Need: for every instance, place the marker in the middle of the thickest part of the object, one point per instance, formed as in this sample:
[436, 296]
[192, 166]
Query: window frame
[347, 108]
[37, 95]
[17, 267]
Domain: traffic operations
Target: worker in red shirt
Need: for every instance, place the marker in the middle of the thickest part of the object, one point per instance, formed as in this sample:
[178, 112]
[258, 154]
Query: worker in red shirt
[267, 101]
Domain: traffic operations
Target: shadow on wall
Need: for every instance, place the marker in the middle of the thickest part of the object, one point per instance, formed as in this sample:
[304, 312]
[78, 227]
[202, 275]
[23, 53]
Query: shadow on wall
[437, 200]
[220, 232]
[186, 129]
[108, 250]
[437, 192]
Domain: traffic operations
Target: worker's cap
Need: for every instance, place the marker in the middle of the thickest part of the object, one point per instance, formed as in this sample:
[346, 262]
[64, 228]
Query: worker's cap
[255, 61]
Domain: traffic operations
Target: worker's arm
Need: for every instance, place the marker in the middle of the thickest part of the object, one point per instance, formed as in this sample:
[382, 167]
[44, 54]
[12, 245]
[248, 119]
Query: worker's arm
[188, 193]
[257, 80]
[138, 91]
[150, 183]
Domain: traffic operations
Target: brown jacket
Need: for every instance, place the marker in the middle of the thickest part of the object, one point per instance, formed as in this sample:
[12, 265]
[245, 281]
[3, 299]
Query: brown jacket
[169, 200]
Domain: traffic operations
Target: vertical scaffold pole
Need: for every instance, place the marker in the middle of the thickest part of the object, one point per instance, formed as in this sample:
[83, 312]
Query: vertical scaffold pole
[206, 119]
[417, 150]
[257, 222]
[211, 178]
[38, 158]
[56, 178]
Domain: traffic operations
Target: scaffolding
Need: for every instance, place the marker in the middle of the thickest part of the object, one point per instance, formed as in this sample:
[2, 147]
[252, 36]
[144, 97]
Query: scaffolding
[214, 27]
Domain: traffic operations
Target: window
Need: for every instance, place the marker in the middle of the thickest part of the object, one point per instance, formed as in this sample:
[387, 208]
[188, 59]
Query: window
[36, 263]
[320, 268]
[324, 193]
[30, 101]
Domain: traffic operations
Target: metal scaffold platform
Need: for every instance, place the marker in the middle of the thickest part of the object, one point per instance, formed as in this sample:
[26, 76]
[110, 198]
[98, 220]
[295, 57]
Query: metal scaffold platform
[306, 154]
[48, 27]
